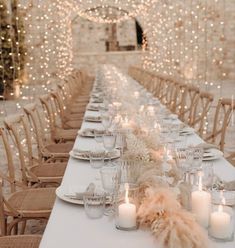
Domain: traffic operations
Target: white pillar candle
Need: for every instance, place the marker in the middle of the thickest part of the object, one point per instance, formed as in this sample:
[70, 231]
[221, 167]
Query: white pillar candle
[127, 212]
[220, 224]
[201, 205]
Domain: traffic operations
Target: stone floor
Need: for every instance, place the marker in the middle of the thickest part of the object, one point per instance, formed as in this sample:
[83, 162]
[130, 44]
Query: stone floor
[13, 106]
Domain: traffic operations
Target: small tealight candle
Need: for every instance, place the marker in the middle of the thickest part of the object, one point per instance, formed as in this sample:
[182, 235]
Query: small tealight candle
[150, 110]
[127, 212]
[201, 204]
[136, 94]
[221, 226]
[125, 123]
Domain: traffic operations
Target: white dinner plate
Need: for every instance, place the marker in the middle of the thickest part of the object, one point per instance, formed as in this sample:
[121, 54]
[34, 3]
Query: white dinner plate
[115, 155]
[70, 197]
[212, 154]
[62, 192]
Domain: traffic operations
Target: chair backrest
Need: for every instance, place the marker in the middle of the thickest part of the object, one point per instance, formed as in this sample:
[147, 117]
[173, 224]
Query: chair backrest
[179, 101]
[200, 111]
[52, 114]
[19, 130]
[35, 117]
[222, 117]
[9, 177]
[192, 92]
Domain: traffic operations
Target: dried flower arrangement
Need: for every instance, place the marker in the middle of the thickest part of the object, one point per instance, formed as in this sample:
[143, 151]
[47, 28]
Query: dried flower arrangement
[161, 198]
[172, 226]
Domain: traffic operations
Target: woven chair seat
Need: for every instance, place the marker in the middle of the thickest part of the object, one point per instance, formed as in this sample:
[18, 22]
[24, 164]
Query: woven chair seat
[78, 117]
[60, 148]
[72, 125]
[20, 241]
[33, 202]
[49, 170]
[67, 135]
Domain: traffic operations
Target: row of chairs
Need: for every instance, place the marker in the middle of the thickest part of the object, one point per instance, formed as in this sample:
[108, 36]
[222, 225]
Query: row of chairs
[42, 137]
[190, 104]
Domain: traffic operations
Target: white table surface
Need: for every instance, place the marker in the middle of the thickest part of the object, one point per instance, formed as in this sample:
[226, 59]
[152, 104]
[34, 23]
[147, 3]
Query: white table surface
[69, 227]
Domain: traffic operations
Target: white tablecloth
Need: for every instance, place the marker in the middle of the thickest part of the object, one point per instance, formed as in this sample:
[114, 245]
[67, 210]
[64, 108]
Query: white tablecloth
[69, 227]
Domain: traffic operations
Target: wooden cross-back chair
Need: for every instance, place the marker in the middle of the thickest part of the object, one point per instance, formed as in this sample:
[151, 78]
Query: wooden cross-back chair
[68, 121]
[20, 241]
[191, 94]
[148, 80]
[58, 134]
[34, 171]
[158, 87]
[170, 94]
[73, 106]
[178, 101]
[200, 111]
[48, 149]
[222, 117]
[164, 90]
[23, 203]
[72, 100]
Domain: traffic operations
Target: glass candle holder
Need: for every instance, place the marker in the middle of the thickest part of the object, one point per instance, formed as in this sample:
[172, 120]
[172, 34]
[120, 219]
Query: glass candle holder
[127, 203]
[130, 171]
[222, 223]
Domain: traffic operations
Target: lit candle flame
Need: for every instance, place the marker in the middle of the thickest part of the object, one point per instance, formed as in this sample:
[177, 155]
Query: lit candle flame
[126, 194]
[223, 200]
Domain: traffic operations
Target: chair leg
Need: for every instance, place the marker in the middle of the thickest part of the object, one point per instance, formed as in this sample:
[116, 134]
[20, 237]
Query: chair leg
[15, 229]
[22, 231]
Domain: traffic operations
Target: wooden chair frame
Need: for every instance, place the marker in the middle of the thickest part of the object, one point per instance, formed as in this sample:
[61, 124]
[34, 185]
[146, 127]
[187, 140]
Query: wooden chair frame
[19, 190]
[223, 115]
[46, 153]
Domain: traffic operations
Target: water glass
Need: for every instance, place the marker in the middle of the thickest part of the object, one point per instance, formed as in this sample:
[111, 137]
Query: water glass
[110, 177]
[98, 136]
[109, 141]
[197, 157]
[96, 159]
[94, 204]
[130, 171]
[208, 175]
[106, 121]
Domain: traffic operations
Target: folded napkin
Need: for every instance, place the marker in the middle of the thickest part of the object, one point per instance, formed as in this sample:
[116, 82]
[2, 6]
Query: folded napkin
[90, 131]
[79, 195]
[96, 100]
[86, 154]
[93, 107]
[92, 118]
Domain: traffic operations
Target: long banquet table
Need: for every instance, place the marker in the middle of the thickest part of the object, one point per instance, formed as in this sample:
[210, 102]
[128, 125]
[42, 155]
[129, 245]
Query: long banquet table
[69, 226]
